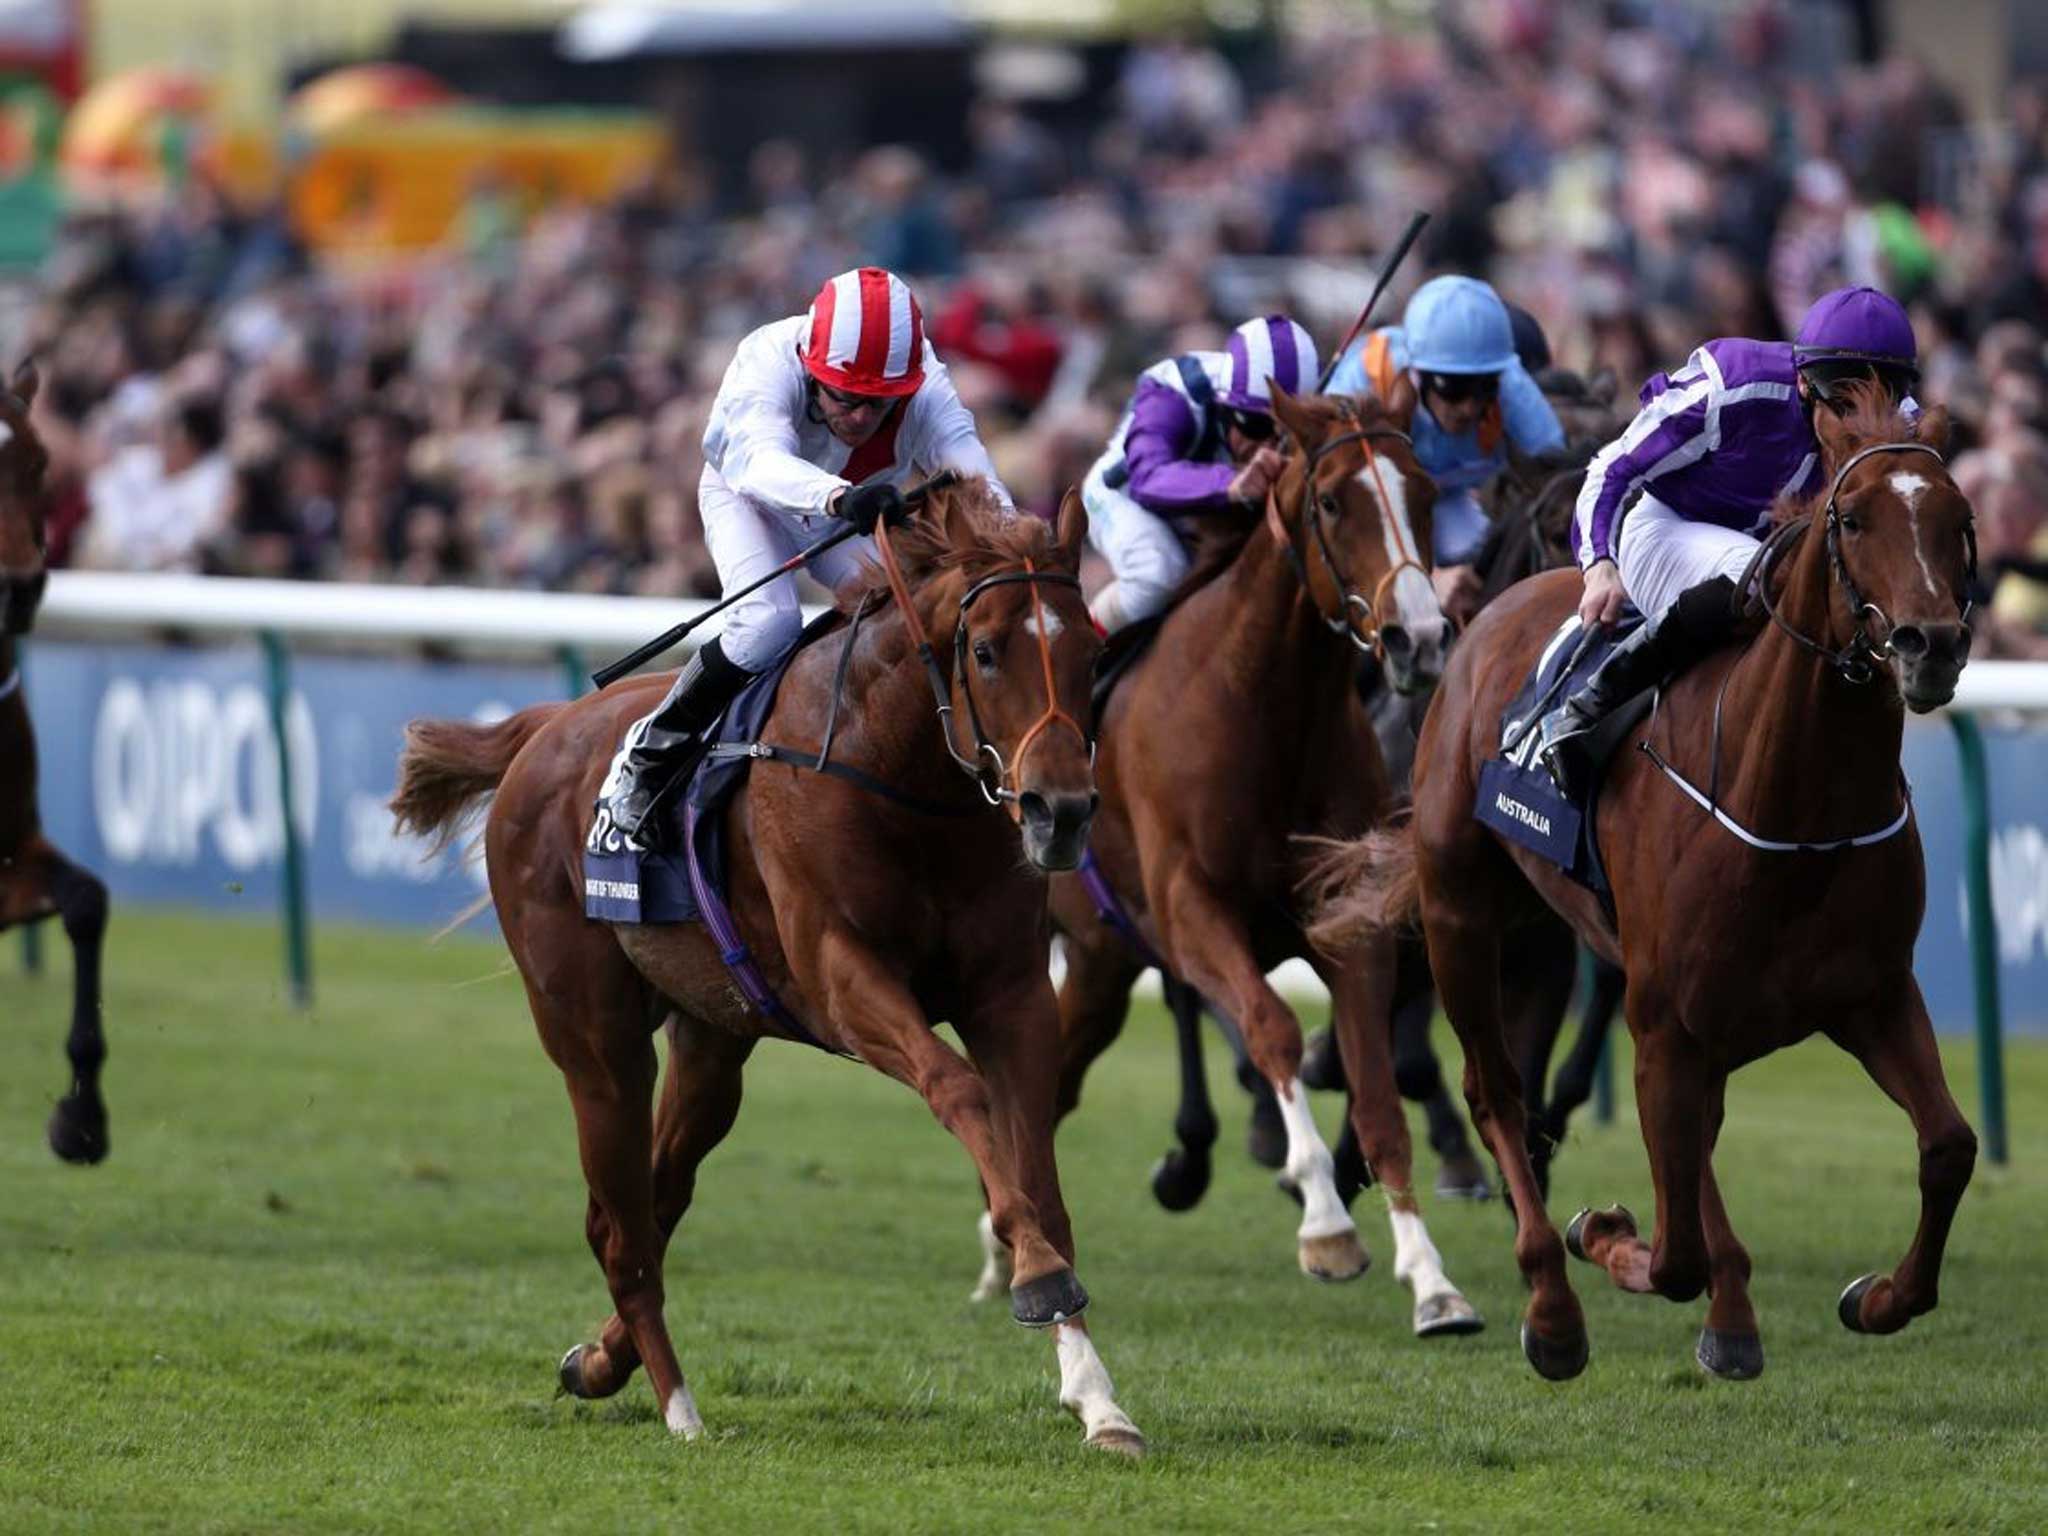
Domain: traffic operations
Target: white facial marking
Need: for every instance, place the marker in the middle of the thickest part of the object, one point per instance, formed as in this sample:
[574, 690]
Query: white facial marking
[1311, 1167]
[1910, 488]
[1052, 625]
[1414, 598]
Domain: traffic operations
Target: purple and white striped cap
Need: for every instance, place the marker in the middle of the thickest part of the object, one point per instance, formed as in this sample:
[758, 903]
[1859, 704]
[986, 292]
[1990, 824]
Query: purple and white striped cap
[1271, 347]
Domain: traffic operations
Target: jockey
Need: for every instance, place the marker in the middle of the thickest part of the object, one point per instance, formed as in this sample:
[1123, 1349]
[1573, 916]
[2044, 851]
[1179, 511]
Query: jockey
[1457, 344]
[1714, 445]
[824, 415]
[1197, 437]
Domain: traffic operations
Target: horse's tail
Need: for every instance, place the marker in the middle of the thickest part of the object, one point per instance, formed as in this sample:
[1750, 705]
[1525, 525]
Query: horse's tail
[449, 766]
[1363, 885]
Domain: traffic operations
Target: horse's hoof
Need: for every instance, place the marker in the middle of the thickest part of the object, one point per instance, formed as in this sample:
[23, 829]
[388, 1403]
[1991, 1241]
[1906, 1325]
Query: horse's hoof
[1180, 1179]
[1265, 1139]
[1445, 1315]
[1850, 1307]
[1340, 1256]
[78, 1131]
[1053, 1298]
[1322, 1065]
[1555, 1359]
[1119, 1440]
[1730, 1356]
[1462, 1178]
[1575, 1233]
[570, 1373]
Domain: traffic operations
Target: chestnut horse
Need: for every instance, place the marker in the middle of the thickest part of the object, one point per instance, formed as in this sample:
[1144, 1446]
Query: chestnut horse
[1237, 734]
[873, 910]
[35, 879]
[1791, 908]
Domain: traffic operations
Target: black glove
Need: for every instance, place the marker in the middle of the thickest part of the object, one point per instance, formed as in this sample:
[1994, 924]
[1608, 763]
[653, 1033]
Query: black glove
[865, 505]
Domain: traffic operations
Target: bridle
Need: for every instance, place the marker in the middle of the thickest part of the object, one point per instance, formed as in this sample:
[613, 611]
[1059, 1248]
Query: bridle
[1871, 642]
[995, 778]
[1355, 604]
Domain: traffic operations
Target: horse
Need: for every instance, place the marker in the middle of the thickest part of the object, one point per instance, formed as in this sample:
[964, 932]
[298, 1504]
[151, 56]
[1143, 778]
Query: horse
[1237, 733]
[875, 902]
[35, 879]
[1781, 900]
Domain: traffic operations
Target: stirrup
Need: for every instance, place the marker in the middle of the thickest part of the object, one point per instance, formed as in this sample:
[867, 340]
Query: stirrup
[1559, 736]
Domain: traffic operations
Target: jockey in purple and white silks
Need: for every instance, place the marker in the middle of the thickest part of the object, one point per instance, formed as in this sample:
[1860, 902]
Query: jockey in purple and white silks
[1196, 438]
[825, 415]
[1713, 447]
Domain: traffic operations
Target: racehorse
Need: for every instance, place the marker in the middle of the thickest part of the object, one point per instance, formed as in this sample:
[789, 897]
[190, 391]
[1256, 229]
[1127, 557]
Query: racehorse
[1236, 734]
[1781, 899]
[35, 879]
[875, 903]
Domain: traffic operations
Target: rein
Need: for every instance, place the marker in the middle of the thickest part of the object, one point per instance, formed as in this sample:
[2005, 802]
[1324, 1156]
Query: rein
[995, 778]
[1355, 604]
[1854, 661]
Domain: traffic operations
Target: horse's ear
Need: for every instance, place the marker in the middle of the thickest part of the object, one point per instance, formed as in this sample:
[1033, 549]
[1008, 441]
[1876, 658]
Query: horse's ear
[1401, 402]
[1303, 424]
[1071, 529]
[27, 381]
[1931, 430]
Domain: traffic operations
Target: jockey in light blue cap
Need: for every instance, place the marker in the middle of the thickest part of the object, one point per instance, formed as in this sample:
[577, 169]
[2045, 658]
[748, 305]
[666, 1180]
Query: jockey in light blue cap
[1713, 447]
[1197, 437]
[1456, 346]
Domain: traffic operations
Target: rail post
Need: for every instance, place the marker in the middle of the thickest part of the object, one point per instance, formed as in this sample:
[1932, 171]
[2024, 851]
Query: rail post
[1983, 935]
[298, 957]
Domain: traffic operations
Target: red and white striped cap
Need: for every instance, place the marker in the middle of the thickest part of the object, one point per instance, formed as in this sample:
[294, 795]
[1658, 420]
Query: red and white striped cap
[866, 335]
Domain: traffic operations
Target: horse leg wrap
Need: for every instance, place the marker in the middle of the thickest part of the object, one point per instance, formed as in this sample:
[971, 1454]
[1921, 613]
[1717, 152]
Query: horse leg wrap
[1053, 1298]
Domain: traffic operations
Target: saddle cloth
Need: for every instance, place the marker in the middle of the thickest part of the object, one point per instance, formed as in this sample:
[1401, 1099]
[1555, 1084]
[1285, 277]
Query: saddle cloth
[1517, 797]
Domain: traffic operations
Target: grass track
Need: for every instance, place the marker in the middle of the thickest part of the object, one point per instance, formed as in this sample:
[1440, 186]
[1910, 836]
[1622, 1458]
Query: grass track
[323, 1281]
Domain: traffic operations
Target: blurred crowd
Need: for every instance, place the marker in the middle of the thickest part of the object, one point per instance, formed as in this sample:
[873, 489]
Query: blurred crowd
[524, 408]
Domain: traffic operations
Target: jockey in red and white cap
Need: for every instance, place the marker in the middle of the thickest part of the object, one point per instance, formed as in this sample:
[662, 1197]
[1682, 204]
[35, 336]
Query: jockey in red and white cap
[828, 414]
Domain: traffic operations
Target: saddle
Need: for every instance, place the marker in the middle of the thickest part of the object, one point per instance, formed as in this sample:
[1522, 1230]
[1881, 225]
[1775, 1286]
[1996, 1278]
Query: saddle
[1517, 797]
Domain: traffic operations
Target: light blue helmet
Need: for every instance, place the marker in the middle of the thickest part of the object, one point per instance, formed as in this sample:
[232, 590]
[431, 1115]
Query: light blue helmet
[1458, 325]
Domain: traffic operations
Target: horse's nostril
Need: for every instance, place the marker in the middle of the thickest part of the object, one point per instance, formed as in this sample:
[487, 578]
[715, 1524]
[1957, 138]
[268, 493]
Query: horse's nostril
[1036, 813]
[1397, 640]
[1910, 641]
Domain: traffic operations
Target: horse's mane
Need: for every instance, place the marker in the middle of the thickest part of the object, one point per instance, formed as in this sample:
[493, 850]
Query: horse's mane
[1872, 416]
[962, 527]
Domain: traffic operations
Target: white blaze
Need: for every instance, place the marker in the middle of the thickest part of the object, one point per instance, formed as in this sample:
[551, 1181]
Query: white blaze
[1910, 488]
[1414, 598]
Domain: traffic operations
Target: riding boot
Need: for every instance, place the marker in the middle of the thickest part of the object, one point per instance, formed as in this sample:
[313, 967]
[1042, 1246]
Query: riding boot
[1699, 622]
[667, 743]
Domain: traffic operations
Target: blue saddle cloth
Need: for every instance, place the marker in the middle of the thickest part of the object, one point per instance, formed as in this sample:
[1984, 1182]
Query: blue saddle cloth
[627, 886]
[1517, 797]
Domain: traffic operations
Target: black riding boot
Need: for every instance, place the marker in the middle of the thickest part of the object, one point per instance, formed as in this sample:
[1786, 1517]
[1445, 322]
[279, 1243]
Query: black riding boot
[666, 743]
[1698, 623]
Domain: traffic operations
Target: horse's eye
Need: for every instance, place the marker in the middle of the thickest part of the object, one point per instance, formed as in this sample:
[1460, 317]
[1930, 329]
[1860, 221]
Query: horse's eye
[1851, 523]
[1329, 505]
[985, 656]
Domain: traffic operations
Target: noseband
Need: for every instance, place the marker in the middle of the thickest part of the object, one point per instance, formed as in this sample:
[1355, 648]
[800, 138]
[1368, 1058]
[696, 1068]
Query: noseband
[1355, 604]
[1867, 645]
[995, 778]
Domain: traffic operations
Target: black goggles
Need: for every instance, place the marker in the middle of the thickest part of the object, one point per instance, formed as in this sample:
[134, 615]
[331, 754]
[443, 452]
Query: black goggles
[1458, 387]
[1252, 424]
[852, 402]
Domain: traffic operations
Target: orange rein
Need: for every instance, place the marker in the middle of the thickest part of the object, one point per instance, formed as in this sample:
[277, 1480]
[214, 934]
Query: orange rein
[1006, 773]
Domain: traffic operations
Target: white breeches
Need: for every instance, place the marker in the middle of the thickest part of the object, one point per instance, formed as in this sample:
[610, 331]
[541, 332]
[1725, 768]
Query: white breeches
[1141, 548]
[747, 541]
[1660, 554]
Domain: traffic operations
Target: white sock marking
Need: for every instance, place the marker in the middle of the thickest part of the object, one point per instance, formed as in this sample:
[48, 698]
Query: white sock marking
[1085, 1387]
[681, 1414]
[995, 1263]
[1417, 1264]
[1910, 488]
[1311, 1167]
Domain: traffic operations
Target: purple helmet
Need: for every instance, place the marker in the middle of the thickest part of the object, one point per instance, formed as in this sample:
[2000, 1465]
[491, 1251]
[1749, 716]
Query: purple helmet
[1271, 347]
[1858, 325]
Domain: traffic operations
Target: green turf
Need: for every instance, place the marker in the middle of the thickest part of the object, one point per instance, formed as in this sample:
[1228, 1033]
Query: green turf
[324, 1279]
